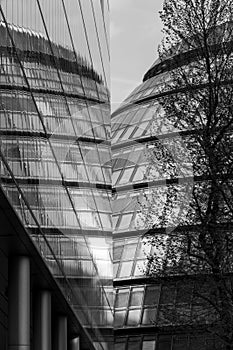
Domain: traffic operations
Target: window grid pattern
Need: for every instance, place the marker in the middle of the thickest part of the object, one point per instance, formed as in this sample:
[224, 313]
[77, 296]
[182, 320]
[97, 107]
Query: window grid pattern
[181, 341]
[128, 165]
[55, 126]
[129, 257]
[132, 124]
[31, 157]
[161, 305]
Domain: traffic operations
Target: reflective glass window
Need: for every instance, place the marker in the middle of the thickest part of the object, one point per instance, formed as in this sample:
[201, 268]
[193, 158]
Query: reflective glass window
[141, 129]
[139, 175]
[134, 343]
[120, 346]
[167, 295]
[125, 269]
[149, 316]
[148, 344]
[197, 343]
[117, 251]
[129, 251]
[164, 342]
[119, 317]
[136, 296]
[125, 221]
[152, 295]
[114, 221]
[133, 317]
[115, 269]
[184, 293]
[140, 268]
[126, 175]
[115, 176]
[127, 134]
[180, 343]
[122, 298]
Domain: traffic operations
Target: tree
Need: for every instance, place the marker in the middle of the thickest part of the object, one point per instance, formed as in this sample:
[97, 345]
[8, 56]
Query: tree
[190, 219]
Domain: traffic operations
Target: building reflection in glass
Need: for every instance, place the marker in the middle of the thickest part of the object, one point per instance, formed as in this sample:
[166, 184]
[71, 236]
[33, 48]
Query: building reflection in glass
[54, 148]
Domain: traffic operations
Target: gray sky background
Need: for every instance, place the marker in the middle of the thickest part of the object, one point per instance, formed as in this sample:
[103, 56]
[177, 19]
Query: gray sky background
[135, 31]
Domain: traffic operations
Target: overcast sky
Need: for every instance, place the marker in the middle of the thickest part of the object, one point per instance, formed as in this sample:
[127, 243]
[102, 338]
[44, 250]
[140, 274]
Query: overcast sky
[135, 30]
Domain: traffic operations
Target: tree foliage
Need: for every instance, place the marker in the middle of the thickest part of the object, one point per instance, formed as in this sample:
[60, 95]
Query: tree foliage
[192, 229]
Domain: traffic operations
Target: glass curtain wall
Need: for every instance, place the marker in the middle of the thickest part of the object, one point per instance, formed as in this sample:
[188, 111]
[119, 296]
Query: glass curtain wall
[153, 314]
[54, 146]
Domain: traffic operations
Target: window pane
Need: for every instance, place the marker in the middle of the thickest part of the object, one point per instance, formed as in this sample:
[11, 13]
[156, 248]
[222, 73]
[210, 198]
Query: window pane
[152, 295]
[136, 296]
[129, 251]
[148, 345]
[139, 175]
[164, 343]
[126, 175]
[133, 317]
[184, 293]
[122, 298]
[125, 269]
[134, 344]
[167, 295]
[149, 316]
[119, 318]
[180, 343]
[115, 269]
[197, 343]
[119, 346]
[115, 176]
[139, 268]
[125, 221]
[117, 252]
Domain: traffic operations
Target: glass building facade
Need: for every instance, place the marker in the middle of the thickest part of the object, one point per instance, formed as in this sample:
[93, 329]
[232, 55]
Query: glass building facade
[146, 309]
[54, 146]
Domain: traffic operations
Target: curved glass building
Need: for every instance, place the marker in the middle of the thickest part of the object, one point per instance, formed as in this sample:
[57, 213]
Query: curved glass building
[146, 309]
[54, 147]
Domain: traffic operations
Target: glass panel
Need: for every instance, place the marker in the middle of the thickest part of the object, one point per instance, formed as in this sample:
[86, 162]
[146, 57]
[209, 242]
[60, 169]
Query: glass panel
[127, 133]
[152, 295]
[136, 296]
[58, 67]
[134, 343]
[115, 176]
[129, 251]
[180, 343]
[126, 175]
[141, 129]
[133, 317]
[148, 345]
[125, 269]
[164, 343]
[139, 175]
[139, 268]
[149, 316]
[122, 298]
[125, 221]
[119, 317]
[117, 251]
[197, 343]
[167, 295]
[115, 269]
[119, 346]
[120, 342]
[184, 293]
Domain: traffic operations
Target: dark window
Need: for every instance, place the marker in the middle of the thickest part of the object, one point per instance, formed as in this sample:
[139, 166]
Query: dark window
[164, 342]
[134, 343]
[152, 295]
[122, 298]
[136, 296]
[167, 295]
